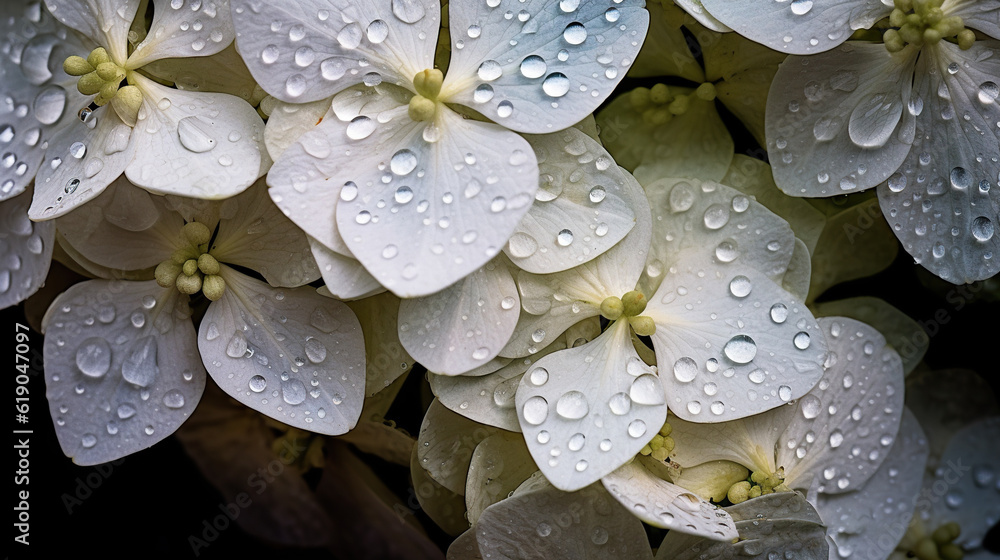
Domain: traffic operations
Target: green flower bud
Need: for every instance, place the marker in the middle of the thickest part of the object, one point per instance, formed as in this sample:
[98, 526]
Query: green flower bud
[109, 90]
[660, 453]
[110, 72]
[196, 232]
[951, 551]
[893, 42]
[639, 98]
[739, 492]
[642, 325]
[188, 284]
[756, 492]
[680, 105]
[634, 303]
[611, 308]
[126, 103]
[77, 66]
[89, 84]
[98, 56]
[190, 267]
[931, 36]
[213, 287]
[966, 38]
[421, 108]
[666, 430]
[428, 83]
[706, 91]
[926, 549]
[208, 264]
[166, 273]
[897, 18]
[659, 94]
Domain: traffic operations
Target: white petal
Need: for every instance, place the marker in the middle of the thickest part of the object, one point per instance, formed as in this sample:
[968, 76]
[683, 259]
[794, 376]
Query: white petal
[489, 398]
[585, 411]
[345, 278]
[464, 547]
[444, 507]
[202, 145]
[183, 29]
[697, 10]
[446, 443]
[902, 333]
[25, 251]
[124, 228]
[582, 206]
[730, 342]
[877, 516]
[465, 325]
[387, 360]
[121, 369]
[719, 223]
[499, 465]
[978, 15]
[425, 214]
[753, 178]
[288, 121]
[539, 522]
[585, 51]
[838, 122]
[663, 504]
[105, 22]
[312, 49]
[775, 525]
[290, 354]
[223, 72]
[551, 303]
[694, 144]
[748, 441]
[796, 279]
[971, 451]
[253, 233]
[65, 181]
[846, 425]
[940, 204]
[800, 27]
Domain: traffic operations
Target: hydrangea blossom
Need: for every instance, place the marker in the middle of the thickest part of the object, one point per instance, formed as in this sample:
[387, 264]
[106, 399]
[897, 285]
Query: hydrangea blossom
[421, 195]
[124, 366]
[170, 141]
[918, 117]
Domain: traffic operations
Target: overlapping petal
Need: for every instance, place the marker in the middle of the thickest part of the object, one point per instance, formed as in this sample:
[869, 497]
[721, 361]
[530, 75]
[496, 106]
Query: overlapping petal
[25, 251]
[105, 22]
[540, 66]
[185, 29]
[121, 370]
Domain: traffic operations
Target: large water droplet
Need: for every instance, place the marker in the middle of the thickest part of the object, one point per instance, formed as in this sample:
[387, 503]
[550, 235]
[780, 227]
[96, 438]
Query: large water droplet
[535, 410]
[740, 286]
[779, 313]
[139, 367]
[403, 162]
[556, 84]
[488, 71]
[195, 134]
[811, 406]
[572, 405]
[360, 127]
[377, 31]
[257, 383]
[740, 349]
[94, 357]
[408, 11]
[716, 216]
[620, 404]
[637, 428]
[982, 228]
[315, 350]
[646, 389]
[173, 399]
[49, 104]
[685, 369]
[575, 33]
[293, 391]
[533, 66]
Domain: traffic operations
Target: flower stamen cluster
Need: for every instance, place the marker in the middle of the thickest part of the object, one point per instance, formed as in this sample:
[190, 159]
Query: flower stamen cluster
[630, 306]
[922, 22]
[759, 484]
[423, 105]
[102, 77]
[658, 104]
[661, 445]
[192, 268]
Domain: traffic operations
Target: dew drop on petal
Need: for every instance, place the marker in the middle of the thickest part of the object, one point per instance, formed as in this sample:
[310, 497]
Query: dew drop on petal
[572, 405]
[535, 410]
[740, 349]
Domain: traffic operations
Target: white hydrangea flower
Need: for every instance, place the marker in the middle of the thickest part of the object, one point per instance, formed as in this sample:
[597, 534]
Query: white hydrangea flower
[730, 342]
[422, 195]
[124, 366]
[918, 117]
[831, 441]
[169, 141]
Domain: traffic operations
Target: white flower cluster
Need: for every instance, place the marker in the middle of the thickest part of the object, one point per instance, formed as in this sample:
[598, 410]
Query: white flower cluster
[301, 200]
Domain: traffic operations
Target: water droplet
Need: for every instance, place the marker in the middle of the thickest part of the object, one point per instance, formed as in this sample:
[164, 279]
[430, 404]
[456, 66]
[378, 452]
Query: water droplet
[811, 406]
[620, 404]
[488, 71]
[533, 66]
[125, 411]
[482, 93]
[727, 251]
[572, 405]
[360, 127]
[315, 350]
[139, 367]
[237, 347]
[49, 104]
[716, 216]
[403, 162]
[597, 194]
[173, 399]
[575, 33]
[408, 11]
[637, 428]
[646, 389]
[377, 31]
[685, 369]
[543, 530]
[740, 286]
[257, 383]
[779, 313]
[740, 349]
[507, 303]
[576, 442]
[538, 376]
[801, 340]
[195, 134]
[801, 7]
[94, 357]
[836, 439]
[785, 393]
[293, 391]
[505, 109]
[535, 410]
[556, 84]
[564, 238]
[88, 441]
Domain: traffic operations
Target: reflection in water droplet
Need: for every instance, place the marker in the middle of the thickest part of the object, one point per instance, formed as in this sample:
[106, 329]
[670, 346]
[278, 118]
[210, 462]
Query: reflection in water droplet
[195, 134]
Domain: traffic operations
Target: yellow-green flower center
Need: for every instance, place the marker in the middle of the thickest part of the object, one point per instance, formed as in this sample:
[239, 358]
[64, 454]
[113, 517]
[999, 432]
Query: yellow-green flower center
[192, 268]
[938, 545]
[659, 103]
[921, 22]
[630, 306]
[102, 77]
[423, 105]
[661, 445]
[758, 484]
